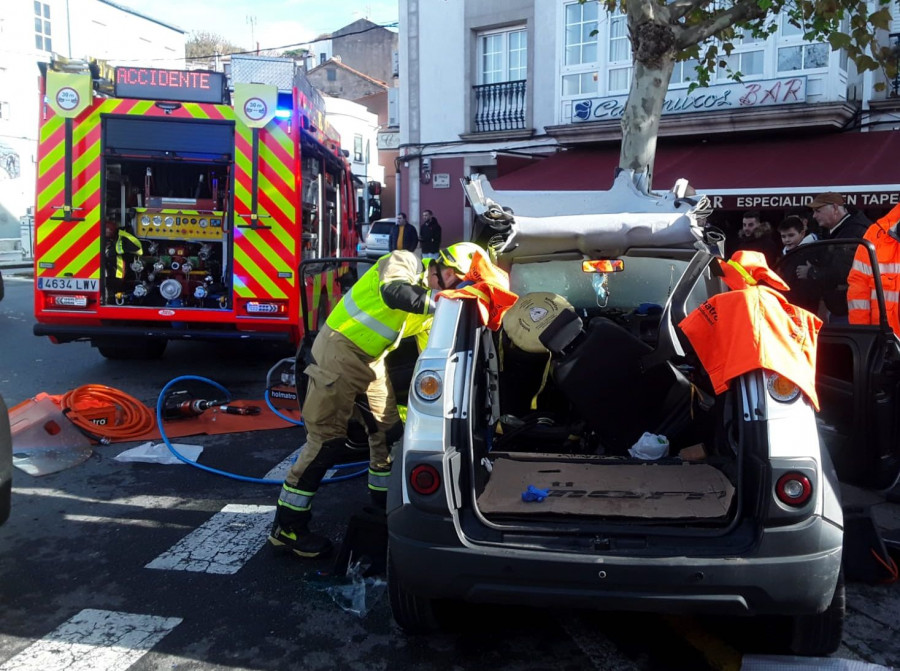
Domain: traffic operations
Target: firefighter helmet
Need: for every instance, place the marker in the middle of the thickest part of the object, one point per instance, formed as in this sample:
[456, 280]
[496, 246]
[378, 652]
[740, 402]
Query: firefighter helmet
[459, 256]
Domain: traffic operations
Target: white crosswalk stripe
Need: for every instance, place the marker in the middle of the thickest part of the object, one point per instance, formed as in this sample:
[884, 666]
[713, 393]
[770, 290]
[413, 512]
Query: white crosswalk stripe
[281, 470]
[222, 544]
[94, 639]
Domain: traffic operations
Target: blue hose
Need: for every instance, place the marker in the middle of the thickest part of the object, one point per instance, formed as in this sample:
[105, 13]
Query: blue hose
[234, 476]
[275, 410]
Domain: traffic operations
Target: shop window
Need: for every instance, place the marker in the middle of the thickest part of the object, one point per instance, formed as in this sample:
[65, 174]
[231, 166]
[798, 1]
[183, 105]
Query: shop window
[42, 39]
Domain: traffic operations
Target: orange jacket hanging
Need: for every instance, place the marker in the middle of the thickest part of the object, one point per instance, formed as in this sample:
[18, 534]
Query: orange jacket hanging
[862, 303]
[490, 287]
[754, 327]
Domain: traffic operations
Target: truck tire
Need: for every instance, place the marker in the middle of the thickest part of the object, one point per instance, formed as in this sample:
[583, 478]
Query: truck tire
[142, 348]
[820, 634]
[415, 614]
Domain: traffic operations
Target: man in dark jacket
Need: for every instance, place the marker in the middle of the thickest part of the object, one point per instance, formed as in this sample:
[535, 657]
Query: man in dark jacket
[830, 271]
[430, 235]
[404, 235]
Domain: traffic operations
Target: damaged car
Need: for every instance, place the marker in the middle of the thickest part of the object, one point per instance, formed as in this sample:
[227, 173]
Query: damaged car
[584, 456]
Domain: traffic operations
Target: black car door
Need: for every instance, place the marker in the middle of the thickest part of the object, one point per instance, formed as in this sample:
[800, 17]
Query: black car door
[857, 367]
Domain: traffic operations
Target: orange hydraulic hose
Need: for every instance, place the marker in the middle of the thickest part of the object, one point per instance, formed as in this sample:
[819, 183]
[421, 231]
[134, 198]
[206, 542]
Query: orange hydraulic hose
[133, 418]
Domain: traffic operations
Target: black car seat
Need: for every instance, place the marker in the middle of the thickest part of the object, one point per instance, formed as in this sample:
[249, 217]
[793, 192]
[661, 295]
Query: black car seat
[602, 372]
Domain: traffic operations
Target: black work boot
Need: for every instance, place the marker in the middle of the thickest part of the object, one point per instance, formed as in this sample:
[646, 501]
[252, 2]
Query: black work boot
[299, 540]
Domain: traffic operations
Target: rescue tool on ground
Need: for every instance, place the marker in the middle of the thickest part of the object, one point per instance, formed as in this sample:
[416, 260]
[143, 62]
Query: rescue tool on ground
[179, 207]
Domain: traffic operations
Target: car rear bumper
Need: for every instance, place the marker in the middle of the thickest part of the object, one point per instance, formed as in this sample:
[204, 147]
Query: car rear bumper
[436, 564]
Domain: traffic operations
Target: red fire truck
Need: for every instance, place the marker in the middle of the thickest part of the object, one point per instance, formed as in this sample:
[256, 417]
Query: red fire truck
[172, 205]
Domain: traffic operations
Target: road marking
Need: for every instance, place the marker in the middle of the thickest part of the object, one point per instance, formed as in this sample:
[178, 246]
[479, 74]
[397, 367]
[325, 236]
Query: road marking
[280, 471]
[718, 654]
[94, 639]
[222, 544]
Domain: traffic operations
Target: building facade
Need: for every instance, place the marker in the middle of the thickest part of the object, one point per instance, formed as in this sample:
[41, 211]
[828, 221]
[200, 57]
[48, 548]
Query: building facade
[30, 32]
[537, 98]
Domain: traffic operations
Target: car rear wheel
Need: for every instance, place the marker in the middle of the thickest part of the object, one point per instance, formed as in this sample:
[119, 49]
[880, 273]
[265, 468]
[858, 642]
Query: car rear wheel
[820, 634]
[415, 614]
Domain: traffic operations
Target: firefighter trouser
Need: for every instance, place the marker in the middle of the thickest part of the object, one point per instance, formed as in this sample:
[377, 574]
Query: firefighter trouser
[341, 372]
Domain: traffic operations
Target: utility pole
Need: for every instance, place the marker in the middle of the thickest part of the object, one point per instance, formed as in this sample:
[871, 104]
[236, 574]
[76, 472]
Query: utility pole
[251, 20]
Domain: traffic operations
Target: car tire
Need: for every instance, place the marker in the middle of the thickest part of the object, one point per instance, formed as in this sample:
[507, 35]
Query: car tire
[150, 348]
[820, 635]
[415, 614]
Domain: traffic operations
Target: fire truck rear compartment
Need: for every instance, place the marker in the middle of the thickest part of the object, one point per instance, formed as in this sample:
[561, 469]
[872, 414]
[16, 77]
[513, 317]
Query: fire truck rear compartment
[166, 238]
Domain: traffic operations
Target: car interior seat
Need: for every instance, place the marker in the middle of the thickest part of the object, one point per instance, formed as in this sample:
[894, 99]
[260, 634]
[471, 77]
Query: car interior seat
[601, 370]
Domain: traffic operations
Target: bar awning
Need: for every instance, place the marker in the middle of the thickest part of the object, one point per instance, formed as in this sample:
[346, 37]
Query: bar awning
[746, 174]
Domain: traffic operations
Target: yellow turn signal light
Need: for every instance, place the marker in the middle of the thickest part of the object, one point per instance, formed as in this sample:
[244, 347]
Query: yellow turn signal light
[428, 385]
[781, 389]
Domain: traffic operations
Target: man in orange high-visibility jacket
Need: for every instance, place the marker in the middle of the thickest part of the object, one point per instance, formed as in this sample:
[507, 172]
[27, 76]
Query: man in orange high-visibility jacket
[861, 297]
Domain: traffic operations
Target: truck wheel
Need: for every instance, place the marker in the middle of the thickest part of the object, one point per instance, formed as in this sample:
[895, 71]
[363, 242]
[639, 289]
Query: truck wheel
[415, 614]
[146, 348]
[820, 634]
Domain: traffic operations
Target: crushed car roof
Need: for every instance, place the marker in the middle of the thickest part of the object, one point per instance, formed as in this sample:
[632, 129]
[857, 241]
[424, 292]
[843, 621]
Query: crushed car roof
[590, 223]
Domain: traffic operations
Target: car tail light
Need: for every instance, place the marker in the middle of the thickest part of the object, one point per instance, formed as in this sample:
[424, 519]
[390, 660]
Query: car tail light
[65, 301]
[781, 389]
[793, 489]
[428, 385]
[424, 479]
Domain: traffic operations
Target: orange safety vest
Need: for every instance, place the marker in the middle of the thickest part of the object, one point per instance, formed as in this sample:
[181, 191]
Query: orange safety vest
[862, 302]
[490, 287]
[754, 327]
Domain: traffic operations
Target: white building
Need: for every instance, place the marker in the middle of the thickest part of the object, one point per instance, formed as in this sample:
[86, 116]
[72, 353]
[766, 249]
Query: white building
[533, 100]
[358, 129]
[32, 30]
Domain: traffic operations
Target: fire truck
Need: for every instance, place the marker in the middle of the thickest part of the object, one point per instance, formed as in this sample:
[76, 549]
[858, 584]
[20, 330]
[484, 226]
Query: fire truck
[174, 204]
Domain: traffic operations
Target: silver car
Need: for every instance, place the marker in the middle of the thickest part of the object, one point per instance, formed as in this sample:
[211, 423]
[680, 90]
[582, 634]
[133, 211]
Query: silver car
[378, 237]
[579, 457]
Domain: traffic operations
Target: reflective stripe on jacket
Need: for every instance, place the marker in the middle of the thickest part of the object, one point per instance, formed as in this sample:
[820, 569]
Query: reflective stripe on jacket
[862, 302]
[362, 315]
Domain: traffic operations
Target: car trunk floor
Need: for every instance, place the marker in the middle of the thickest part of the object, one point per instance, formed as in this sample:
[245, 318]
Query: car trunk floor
[595, 488]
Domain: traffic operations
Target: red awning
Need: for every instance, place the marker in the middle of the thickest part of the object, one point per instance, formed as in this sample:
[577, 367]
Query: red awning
[775, 173]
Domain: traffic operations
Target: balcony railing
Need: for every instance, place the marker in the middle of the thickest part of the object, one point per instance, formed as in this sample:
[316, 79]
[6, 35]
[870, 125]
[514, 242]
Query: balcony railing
[500, 106]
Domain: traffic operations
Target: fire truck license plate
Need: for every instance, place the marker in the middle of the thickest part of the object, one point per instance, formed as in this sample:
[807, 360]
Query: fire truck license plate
[68, 284]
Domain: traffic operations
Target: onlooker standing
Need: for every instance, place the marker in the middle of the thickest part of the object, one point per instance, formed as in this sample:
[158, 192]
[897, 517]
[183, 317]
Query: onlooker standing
[430, 235]
[756, 235]
[404, 235]
[804, 293]
[831, 270]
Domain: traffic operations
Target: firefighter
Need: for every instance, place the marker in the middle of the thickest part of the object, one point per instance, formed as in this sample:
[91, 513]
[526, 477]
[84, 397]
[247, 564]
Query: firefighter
[862, 303]
[393, 299]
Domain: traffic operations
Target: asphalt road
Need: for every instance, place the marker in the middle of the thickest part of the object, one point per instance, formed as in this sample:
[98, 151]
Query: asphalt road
[148, 566]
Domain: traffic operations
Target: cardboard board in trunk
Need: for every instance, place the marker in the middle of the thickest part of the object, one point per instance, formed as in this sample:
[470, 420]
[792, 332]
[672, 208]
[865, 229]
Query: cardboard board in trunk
[660, 491]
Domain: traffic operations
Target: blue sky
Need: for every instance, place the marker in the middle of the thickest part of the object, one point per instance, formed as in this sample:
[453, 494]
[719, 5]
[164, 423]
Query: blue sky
[271, 23]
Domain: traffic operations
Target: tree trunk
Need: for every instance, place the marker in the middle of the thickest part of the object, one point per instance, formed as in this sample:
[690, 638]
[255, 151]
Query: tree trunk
[653, 49]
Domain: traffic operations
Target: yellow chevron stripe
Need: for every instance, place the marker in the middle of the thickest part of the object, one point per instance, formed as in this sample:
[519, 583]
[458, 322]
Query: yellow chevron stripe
[258, 274]
[89, 156]
[195, 110]
[76, 231]
[84, 258]
[283, 171]
[52, 157]
[50, 126]
[51, 191]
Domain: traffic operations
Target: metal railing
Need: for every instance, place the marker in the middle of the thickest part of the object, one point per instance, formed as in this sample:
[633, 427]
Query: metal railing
[500, 106]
